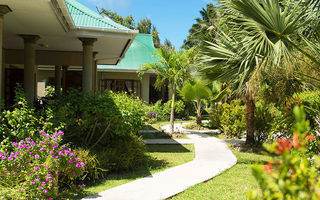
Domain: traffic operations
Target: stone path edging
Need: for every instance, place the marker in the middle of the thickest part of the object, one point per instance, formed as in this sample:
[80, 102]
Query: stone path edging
[212, 158]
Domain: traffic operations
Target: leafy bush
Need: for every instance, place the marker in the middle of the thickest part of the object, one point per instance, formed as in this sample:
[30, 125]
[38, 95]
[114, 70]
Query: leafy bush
[124, 153]
[230, 118]
[294, 174]
[264, 122]
[24, 121]
[93, 171]
[311, 102]
[164, 109]
[92, 120]
[34, 170]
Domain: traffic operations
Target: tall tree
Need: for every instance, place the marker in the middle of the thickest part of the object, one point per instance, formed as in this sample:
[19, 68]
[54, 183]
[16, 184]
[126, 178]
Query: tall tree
[127, 21]
[172, 67]
[204, 28]
[264, 34]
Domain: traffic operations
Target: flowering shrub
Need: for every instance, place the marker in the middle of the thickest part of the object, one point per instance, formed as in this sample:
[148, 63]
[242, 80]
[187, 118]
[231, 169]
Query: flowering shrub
[32, 169]
[294, 173]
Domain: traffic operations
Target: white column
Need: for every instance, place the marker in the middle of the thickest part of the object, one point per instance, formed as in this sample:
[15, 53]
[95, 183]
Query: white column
[87, 73]
[57, 80]
[4, 9]
[145, 86]
[30, 68]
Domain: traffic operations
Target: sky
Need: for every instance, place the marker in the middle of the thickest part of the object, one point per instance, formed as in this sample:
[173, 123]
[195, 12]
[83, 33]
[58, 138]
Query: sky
[172, 18]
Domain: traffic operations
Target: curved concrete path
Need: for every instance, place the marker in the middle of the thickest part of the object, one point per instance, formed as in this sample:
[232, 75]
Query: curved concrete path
[212, 158]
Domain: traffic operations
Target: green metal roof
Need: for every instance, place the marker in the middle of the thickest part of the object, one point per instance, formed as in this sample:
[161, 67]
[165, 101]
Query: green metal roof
[140, 52]
[83, 16]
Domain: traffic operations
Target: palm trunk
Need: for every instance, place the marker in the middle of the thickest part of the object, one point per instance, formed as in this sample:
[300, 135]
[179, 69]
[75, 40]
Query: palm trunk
[199, 120]
[250, 108]
[172, 111]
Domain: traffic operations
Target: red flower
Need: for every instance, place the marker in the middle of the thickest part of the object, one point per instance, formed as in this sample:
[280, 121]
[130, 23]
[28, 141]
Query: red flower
[283, 145]
[296, 142]
[268, 167]
[311, 137]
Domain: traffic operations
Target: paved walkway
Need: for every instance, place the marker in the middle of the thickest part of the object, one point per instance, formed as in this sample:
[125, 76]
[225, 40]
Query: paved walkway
[212, 158]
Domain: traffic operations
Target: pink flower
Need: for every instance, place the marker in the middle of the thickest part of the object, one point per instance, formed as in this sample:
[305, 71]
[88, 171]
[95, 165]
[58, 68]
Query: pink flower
[51, 152]
[42, 149]
[30, 174]
[3, 157]
[43, 183]
[40, 188]
[77, 165]
[15, 144]
[21, 190]
[22, 141]
[70, 161]
[36, 168]
[47, 166]
[81, 163]
[45, 191]
[49, 198]
[36, 156]
[10, 158]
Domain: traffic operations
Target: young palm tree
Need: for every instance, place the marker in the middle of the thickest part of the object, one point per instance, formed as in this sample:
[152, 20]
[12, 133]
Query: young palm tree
[171, 67]
[196, 91]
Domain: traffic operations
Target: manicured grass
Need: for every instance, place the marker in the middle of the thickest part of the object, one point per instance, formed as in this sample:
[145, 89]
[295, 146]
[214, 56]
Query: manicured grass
[231, 184]
[161, 157]
[158, 125]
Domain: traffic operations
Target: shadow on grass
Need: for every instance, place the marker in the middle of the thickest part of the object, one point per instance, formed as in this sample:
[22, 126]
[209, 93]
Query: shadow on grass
[167, 148]
[139, 172]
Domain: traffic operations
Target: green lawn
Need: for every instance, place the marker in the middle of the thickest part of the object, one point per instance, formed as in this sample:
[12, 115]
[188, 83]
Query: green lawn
[161, 157]
[231, 184]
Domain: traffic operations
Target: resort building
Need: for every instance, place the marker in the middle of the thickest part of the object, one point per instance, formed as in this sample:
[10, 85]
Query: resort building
[61, 42]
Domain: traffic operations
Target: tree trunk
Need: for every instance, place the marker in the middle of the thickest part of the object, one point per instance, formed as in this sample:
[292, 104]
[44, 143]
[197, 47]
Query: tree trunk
[172, 111]
[199, 118]
[250, 108]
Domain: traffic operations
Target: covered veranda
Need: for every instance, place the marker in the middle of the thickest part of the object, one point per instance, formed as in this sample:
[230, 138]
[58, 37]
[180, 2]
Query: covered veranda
[61, 34]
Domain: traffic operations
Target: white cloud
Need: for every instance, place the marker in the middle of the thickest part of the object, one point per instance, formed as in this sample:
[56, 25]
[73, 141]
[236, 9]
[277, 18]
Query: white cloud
[111, 4]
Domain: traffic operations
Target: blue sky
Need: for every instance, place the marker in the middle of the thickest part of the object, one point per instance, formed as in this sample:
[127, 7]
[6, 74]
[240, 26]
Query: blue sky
[173, 18]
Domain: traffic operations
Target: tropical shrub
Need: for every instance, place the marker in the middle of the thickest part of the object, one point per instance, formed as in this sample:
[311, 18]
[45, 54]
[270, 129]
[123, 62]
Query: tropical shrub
[36, 169]
[233, 120]
[24, 121]
[264, 122]
[311, 102]
[294, 173]
[123, 154]
[164, 109]
[230, 118]
[91, 120]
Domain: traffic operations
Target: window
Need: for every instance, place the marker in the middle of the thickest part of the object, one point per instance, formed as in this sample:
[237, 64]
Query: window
[129, 86]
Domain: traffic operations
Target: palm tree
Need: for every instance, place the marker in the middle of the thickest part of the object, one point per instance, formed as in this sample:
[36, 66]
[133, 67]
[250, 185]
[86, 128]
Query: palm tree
[196, 91]
[173, 68]
[264, 34]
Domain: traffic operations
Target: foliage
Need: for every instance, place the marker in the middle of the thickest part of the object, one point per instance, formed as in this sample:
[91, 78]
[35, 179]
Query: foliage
[230, 118]
[49, 91]
[264, 122]
[233, 121]
[164, 109]
[93, 171]
[34, 169]
[310, 101]
[204, 28]
[91, 120]
[144, 26]
[24, 121]
[123, 154]
[294, 174]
